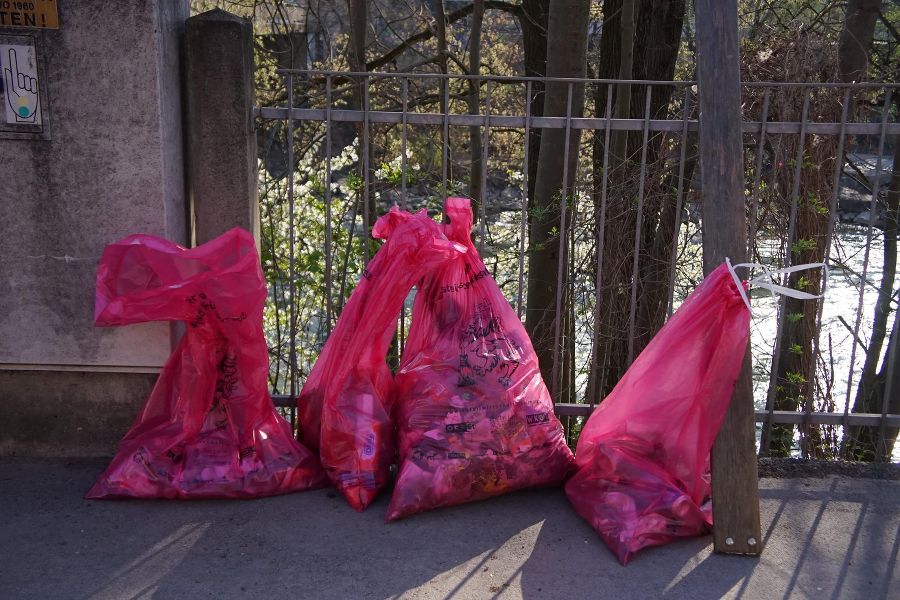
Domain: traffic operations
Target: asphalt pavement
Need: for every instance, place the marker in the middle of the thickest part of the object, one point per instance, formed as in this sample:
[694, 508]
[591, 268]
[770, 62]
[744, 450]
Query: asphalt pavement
[825, 538]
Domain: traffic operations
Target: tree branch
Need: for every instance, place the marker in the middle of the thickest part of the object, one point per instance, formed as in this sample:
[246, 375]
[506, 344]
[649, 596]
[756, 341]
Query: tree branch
[889, 26]
[427, 34]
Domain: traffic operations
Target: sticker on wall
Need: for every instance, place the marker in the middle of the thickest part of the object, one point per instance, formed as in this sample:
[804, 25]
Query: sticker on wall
[20, 82]
[23, 104]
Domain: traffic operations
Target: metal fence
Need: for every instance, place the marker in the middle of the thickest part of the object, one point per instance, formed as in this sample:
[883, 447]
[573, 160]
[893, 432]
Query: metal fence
[339, 148]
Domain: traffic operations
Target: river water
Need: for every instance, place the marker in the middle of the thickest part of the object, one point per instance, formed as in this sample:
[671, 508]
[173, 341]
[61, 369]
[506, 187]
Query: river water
[839, 315]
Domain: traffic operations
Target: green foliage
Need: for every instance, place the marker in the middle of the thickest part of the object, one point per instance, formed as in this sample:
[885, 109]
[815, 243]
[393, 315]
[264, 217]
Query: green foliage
[803, 245]
[306, 284]
[795, 378]
[354, 182]
[806, 164]
[816, 203]
[392, 172]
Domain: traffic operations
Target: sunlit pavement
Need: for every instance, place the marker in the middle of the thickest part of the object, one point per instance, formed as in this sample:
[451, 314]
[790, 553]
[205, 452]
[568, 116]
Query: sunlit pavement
[824, 538]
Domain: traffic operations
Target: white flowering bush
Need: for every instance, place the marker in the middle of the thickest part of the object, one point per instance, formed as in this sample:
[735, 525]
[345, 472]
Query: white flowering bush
[307, 287]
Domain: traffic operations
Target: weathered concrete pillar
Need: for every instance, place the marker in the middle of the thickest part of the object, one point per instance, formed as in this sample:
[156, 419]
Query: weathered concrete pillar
[222, 161]
[113, 165]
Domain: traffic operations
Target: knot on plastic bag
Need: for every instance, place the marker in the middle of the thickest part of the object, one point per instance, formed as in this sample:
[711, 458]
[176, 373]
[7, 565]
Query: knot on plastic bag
[765, 280]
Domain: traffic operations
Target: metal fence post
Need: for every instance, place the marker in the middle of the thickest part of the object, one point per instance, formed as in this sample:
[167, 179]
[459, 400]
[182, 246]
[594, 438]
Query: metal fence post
[735, 488]
[221, 141]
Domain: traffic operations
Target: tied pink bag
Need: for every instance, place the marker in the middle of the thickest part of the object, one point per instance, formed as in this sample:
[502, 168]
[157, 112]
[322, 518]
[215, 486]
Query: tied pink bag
[209, 428]
[474, 417]
[643, 456]
[346, 404]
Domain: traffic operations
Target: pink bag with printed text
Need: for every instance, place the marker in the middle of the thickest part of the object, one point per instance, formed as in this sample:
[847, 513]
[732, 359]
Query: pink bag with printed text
[643, 455]
[209, 428]
[474, 417]
[346, 404]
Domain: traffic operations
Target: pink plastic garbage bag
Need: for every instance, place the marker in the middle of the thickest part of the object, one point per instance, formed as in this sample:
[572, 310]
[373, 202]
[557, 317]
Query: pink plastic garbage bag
[474, 417]
[346, 403]
[643, 455]
[209, 429]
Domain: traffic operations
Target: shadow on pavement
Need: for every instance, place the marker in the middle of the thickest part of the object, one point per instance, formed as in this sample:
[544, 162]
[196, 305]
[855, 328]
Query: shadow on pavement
[825, 538]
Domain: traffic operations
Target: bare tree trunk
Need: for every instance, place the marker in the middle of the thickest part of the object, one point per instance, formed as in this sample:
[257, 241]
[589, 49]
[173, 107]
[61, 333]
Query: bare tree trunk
[440, 26]
[359, 23]
[660, 27]
[861, 442]
[566, 53]
[610, 351]
[654, 52]
[796, 362]
[853, 59]
[855, 42]
[534, 40]
[619, 145]
[794, 376]
[885, 452]
[475, 168]
[357, 48]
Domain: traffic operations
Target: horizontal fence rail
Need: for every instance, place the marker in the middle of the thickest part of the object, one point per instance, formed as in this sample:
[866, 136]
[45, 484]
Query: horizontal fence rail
[322, 74]
[762, 416]
[358, 116]
[341, 147]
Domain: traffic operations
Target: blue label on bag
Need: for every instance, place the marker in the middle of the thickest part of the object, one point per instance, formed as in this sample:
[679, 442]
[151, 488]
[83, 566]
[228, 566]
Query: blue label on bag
[368, 450]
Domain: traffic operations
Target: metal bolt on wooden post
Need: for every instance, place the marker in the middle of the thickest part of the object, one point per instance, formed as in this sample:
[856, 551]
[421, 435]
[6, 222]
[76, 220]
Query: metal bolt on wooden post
[735, 487]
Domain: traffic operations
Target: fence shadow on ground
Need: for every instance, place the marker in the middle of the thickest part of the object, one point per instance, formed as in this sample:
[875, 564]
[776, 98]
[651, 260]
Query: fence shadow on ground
[825, 538]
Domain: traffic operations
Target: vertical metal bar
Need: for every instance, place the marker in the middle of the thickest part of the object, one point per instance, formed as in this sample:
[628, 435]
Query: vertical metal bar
[403, 165]
[445, 137]
[792, 226]
[329, 300]
[485, 140]
[403, 202]
[401, 332]
[365, 137]
[873, 205]
[523, 221]
[292, 306]
[679, 202]
[757, 179]
[601, 243]
[829, 232]
[757, 175]
[639, 222]
[569, 374]
[562, 250]
[881, 449]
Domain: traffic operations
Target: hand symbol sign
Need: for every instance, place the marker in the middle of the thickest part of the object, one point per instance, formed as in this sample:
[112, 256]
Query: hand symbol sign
[21, 89]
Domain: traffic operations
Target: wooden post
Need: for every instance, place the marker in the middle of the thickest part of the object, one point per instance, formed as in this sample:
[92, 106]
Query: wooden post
[735, 488]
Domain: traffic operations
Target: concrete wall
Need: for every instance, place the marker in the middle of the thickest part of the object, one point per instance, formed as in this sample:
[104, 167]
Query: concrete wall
[74, 413]
[113, 166]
